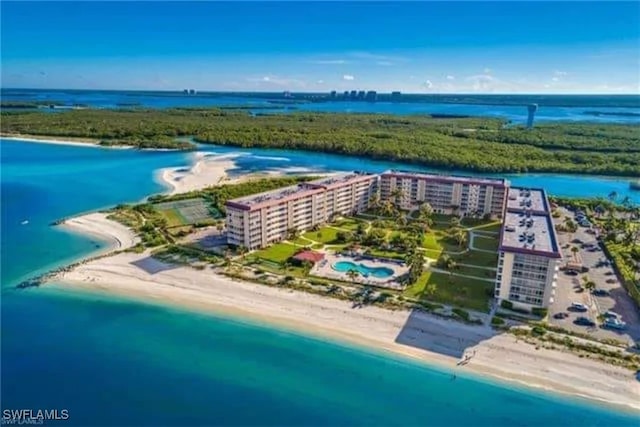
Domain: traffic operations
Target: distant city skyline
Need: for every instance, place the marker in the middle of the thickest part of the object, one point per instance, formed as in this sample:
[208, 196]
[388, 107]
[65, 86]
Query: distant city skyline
[457, 47]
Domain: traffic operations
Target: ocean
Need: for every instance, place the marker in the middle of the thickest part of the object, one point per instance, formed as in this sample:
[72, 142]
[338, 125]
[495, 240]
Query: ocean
[112, 361]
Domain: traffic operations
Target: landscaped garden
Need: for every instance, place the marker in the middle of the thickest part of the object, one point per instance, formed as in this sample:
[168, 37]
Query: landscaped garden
[452, 272]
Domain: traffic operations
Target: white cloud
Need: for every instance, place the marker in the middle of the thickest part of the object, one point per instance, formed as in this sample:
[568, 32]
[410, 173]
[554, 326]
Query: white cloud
[487, 70]
[559, 73]
[481, 82]
[555, 79]
[348, 77]
[320, 82]
[270, 81]
[330, 61]
[450, 77]
[428, 84]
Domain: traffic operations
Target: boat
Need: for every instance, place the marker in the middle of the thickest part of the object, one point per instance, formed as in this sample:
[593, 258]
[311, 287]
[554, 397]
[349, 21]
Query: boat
[634, 185]
[25, 222]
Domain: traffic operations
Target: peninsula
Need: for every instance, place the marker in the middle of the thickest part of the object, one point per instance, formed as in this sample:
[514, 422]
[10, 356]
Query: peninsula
[172, 250]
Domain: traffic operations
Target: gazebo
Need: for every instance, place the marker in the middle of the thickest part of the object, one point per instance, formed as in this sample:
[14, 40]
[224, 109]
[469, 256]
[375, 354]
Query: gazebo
[308, 256]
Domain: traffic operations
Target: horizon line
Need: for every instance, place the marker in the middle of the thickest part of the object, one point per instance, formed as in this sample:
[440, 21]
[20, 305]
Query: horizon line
[328, 92]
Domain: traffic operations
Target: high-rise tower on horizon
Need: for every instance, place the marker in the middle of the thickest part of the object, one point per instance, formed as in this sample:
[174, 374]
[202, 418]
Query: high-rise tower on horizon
[532, 108]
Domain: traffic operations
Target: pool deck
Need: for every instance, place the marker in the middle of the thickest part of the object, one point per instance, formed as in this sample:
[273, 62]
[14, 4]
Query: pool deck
[324, 269]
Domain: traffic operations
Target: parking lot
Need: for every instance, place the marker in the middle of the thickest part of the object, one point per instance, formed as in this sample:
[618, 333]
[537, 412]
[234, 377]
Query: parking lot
[570, 288]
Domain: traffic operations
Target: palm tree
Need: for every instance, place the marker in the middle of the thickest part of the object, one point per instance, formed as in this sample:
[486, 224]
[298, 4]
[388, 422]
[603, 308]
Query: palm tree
[397, 195]
[461, 237]
[455, 221]
[374, 202]
[574, 251]
[353, 274]
[425, 212]
[293, 233]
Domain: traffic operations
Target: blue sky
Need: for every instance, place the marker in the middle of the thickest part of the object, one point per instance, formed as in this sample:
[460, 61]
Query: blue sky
[431, 47]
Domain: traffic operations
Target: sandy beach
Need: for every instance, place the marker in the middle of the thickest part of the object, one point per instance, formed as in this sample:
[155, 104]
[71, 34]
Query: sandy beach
[415, 335]
[204, 172]
[97, 224]
[79, 142]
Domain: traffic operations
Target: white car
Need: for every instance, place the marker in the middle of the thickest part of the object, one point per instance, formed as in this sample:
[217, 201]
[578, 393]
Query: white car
[578, 306]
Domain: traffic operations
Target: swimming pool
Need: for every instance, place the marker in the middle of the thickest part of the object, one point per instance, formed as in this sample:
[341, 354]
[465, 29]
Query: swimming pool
[378, 272]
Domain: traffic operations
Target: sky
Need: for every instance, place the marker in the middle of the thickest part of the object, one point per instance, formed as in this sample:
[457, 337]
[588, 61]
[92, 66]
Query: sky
[417, 47]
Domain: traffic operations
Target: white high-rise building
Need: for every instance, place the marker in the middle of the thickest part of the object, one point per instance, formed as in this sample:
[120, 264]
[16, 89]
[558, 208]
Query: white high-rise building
[529, 255]
[258, 220]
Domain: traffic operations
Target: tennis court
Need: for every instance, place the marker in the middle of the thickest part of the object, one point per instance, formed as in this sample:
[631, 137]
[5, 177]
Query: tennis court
[189, 211]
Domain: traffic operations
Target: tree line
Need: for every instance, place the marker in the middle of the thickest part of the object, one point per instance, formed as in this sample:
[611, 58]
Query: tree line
[472, 144]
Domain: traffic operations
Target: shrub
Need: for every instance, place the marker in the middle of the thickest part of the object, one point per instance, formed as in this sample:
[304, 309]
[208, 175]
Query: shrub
[506, 304]
[538, 331]
[497, 321]
[538, 311]
[461, 313]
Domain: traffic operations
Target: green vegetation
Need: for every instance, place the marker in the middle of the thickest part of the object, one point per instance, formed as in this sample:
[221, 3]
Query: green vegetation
[485, 243]
[217, 196]
[466, 143]
[453, 290]
[278, 252]
[323, 235]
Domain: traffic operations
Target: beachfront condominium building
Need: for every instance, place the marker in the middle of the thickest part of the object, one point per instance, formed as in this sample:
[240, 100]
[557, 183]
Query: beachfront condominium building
[529, 256]
[446, 194]
[258, 220]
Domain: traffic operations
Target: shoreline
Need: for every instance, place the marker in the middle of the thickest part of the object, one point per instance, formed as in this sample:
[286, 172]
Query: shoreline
[71, 141]
[98, 225]
[418, 336]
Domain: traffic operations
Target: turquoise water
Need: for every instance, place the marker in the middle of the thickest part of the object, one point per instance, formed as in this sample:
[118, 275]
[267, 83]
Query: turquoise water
[379, 272]
[117, 362]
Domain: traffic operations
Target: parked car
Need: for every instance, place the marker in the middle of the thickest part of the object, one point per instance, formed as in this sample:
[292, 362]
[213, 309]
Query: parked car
[600, 292]
[561, 315]
[611, 315]
[584, 321]
[571, 272]
[614, 324]
[578, 306]
[611, 281]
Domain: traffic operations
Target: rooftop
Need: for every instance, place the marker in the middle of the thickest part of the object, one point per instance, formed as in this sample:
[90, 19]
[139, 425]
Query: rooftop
[448, 178]
[527, 199]
[310, 256]
[295, 191]
[529, 233]
[528, 226]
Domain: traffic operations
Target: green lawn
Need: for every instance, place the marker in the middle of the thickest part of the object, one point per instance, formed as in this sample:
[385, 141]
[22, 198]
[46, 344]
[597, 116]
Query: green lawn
[302, 242]
[492, 227]
[452, 290]
[348, 223]
[387, 254]
[482, 259]
[324, 235]
[278, 252]
[475, 271]
[436, 240]
[173, 217]
[486, 243]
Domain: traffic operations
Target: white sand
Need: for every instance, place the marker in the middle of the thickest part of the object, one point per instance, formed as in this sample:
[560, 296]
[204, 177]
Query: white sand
[205, 172]
[415, 335]
[97, 224]
[79, 142]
